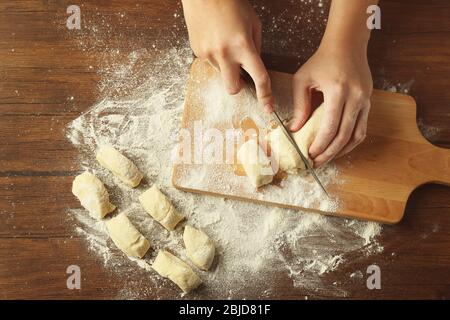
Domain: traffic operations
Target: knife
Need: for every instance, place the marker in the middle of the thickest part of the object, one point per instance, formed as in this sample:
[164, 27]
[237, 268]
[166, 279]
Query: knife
[249, 81]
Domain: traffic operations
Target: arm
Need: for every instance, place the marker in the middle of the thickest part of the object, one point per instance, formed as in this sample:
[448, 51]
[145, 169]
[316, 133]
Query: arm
[340, 70]
[228, 34]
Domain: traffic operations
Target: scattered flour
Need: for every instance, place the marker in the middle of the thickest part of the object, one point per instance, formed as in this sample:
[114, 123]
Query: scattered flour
[302, 29]
[140, 113]
[404, 88]
[368, 232]
[255, 243]
[221, 112]
[430, 133]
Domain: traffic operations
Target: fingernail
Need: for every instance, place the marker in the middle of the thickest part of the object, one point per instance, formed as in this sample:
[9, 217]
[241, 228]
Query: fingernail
[232, 90]
[292, 126]
[268, 108]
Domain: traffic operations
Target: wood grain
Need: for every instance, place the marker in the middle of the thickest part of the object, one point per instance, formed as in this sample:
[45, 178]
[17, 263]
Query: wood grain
[373, 183]
[48, 66]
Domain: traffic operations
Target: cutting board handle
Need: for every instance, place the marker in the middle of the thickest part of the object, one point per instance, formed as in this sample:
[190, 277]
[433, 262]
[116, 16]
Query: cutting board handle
[436, 165]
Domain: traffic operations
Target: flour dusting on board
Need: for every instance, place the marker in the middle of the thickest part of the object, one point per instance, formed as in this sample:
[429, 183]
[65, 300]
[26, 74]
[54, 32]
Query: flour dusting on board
[215, 111]
[256, 244]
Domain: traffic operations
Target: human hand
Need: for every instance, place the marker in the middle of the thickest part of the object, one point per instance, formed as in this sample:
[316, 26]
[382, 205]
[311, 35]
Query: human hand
[342, 74]
[228, 34]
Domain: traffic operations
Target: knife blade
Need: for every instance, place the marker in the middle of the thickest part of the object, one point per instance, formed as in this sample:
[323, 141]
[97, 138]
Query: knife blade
[302, 156]
[249, 81]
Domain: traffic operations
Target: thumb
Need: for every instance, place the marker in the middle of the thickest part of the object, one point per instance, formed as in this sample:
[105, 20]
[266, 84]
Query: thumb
[302, 104]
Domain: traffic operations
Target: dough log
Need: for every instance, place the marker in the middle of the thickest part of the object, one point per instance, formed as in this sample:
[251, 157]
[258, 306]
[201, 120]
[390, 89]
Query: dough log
[199, 247]
[126, 237]
[119, 165]
[157, 205]
[256, 164]
[305, 136]
[175, 269]
[286, 155]
[288, 158]
[92, 194]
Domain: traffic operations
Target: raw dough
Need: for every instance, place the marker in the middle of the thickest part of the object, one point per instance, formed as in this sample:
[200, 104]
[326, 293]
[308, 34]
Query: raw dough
[92, 194]
[288, 158]
[199, 247]
[256, 164]
[119, 165]
[169, 266]
[305, 136]
[157, 205]
[286, 155]
[126, 237]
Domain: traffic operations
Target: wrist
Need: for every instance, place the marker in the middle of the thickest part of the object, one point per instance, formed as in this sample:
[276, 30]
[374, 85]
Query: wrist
[354, 45]
[347, 26]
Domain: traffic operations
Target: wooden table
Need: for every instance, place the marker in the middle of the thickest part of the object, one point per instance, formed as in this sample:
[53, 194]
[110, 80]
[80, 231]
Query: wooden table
[42, 66]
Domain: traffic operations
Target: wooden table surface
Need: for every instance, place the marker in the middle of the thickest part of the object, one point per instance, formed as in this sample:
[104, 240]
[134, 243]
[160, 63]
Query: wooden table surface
[43, 65]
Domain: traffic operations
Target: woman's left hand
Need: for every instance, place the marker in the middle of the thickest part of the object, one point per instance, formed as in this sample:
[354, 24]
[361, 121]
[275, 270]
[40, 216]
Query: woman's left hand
[343, 76]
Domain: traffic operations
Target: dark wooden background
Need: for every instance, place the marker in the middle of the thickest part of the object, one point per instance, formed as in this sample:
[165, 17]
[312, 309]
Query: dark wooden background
[42, 65]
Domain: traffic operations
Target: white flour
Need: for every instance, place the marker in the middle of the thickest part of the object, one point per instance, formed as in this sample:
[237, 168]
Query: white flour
[221, 109]
[255, 244]
[140, 114]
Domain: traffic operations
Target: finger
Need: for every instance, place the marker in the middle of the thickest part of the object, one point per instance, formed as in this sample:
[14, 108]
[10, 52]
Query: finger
[253, 64]
[302, 103]
[257, 36]
[359, 133]
[346, 128]
[231, 76]
[333, 105]
[212, 61]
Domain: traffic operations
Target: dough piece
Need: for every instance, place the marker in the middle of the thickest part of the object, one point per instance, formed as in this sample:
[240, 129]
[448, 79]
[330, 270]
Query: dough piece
[92, 194]
[199, 247]
[169, 266]
[305, 136]
[119, 165]
[287, 156]
[157, 205]
[256, 163]
[126, 237]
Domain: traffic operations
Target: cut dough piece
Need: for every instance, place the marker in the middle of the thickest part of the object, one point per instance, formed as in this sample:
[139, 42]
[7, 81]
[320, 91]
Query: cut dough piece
[256, 164]
[119, 165]
[157, 205]
[287, 156]
[92, 194]
[305, 136]
[199, 247]
[175, 269]
[126, 237]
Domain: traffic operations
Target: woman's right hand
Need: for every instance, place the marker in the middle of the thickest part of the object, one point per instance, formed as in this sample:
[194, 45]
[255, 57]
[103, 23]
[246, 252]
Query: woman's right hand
[228, 34]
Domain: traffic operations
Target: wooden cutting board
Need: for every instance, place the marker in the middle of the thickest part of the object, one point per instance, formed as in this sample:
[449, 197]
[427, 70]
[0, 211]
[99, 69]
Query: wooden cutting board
[372, 183]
